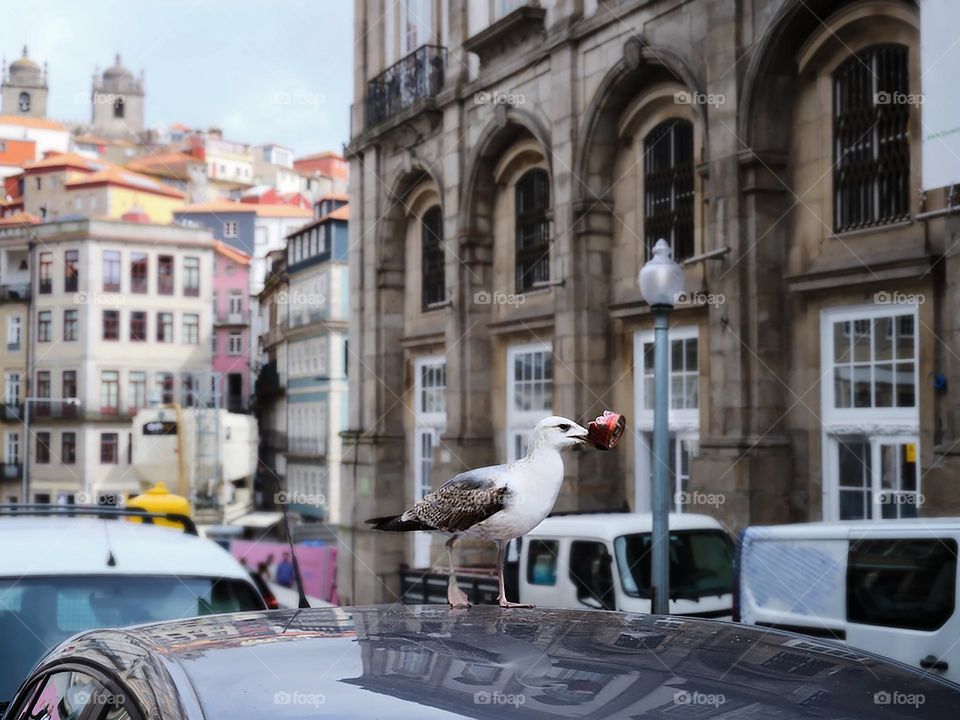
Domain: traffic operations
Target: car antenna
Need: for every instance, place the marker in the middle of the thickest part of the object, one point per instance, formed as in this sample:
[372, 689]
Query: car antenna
[304, 603]
[111, 560]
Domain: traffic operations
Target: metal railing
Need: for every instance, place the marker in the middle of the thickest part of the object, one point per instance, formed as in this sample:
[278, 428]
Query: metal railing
[418, 76]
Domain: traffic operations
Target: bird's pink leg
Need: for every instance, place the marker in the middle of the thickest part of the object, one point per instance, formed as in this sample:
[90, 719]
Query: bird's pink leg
[501, 558]
[455, 596]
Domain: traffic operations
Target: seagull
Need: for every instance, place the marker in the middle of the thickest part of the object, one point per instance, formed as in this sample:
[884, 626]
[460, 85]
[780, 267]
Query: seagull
[500, 502]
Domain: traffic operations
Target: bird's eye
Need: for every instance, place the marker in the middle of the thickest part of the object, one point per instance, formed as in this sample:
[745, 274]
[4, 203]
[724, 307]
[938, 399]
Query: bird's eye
[564, 427]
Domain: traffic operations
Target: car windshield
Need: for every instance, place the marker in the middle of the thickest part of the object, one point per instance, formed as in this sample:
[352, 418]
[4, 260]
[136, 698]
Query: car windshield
[37, 613]
[701, 563]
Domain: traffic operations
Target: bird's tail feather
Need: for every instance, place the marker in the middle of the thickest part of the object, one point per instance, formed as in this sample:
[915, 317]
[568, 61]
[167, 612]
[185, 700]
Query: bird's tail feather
[396, 523]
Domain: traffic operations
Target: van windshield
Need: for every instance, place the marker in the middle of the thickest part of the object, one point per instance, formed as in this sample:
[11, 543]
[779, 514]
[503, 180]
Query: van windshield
[37, 613]
[701, 564]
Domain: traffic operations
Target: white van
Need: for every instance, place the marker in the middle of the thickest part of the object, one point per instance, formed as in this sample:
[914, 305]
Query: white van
[603, 561]
[886, 586]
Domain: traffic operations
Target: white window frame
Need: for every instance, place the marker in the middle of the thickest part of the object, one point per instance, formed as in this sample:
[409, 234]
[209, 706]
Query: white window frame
[11, 448]
[427, 425]
[231, 229]
[11, 383]
[522, 422]
[877, 426]
[14, 330]
[683, 423]
[235, 343]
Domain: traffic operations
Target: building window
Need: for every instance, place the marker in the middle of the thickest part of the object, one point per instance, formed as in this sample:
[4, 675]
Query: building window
[110, 392]
[44, 325]
[430, 397]
[69, 385]
[188, 389]
[138, 273]
[11, 388]
[165, 327]
[431, 244]
[235, 302]
[14, 332]
[43, 448]
[529, 394]
[111, 271]
[111, 324]
[70, 325]
[138, 326]
[165, 386]
[71, 270]
[165, 275]
[235, 343]
[231, 229]
[43, 391]
[12, 449]
[191, 329]
[119, 104]
[109, 448]
[668, 187]
[191, 276]
[45, 273]
[68, 448]
[683, 417]
[23, 105]
[533, 230]
[871, 145]
[871, 418]
[138, 391]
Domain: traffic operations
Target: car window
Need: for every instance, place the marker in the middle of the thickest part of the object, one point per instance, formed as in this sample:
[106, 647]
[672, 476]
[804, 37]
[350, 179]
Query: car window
[902, 583]
[37, 613]
[701, 563]
[592, 574]
[542, 562]
[70, 695]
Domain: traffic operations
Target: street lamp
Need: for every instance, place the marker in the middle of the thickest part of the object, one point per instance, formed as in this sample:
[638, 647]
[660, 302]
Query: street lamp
[25, 487]
[661, 281]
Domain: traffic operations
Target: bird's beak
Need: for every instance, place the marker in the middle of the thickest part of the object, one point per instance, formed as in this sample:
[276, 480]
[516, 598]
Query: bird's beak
[583, 437]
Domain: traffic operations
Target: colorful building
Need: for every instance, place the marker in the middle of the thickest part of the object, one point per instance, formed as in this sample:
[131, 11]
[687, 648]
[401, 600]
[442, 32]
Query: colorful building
[231, 325]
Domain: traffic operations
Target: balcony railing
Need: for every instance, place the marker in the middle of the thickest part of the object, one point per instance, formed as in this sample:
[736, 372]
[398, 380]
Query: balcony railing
[11, 411]
[416, 77]
[12, 470]
[15, 291]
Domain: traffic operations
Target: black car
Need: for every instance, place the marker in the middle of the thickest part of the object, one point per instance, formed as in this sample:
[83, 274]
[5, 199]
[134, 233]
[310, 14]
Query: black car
[432, 662]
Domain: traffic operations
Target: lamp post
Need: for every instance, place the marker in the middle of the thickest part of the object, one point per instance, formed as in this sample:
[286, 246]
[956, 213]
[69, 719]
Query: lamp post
[661, 280]
[25, 487]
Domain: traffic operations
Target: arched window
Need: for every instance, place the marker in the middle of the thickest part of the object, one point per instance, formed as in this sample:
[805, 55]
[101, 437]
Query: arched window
[431, 248]
[668, 187]
[871, 149]
[24, 102]
[118, 106]
[533, 230]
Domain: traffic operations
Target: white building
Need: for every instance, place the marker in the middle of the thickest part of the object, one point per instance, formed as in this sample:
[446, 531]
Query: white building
[121, 314]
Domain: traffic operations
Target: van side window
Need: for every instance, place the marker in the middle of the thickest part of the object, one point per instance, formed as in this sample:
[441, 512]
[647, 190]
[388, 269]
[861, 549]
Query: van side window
[591, 570]
[902, 583]
[542, 562]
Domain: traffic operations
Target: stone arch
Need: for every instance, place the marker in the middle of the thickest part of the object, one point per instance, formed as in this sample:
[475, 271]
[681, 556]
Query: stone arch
[390, 245]
[641, 67]
[767, 99]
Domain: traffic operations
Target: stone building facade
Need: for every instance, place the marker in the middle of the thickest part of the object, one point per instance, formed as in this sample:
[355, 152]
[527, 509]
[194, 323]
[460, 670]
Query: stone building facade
[511, 164]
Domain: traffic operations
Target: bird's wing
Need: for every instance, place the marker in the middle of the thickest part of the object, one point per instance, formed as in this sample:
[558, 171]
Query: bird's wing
[463, 501]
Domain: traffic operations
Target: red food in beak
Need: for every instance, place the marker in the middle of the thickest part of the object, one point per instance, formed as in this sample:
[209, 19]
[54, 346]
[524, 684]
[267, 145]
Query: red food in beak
[606, 431]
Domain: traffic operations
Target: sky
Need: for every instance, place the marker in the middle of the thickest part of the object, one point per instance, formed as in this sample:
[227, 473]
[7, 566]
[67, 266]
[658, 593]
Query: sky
[261, 70]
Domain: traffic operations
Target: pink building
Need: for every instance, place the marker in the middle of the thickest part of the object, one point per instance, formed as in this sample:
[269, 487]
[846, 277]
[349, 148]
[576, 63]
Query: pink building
[231, 324]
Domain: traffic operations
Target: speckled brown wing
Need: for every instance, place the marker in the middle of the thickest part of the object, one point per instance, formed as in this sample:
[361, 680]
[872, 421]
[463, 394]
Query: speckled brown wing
[461, 503]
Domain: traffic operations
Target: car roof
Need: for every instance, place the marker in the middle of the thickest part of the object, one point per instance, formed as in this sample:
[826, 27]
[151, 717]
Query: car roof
[612, 525]
[433, 662]
[842, 529]
[82, 546]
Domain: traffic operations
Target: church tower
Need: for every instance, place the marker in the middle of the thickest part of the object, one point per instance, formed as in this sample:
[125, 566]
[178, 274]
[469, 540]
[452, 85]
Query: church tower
[117, 102]
[23, 88]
